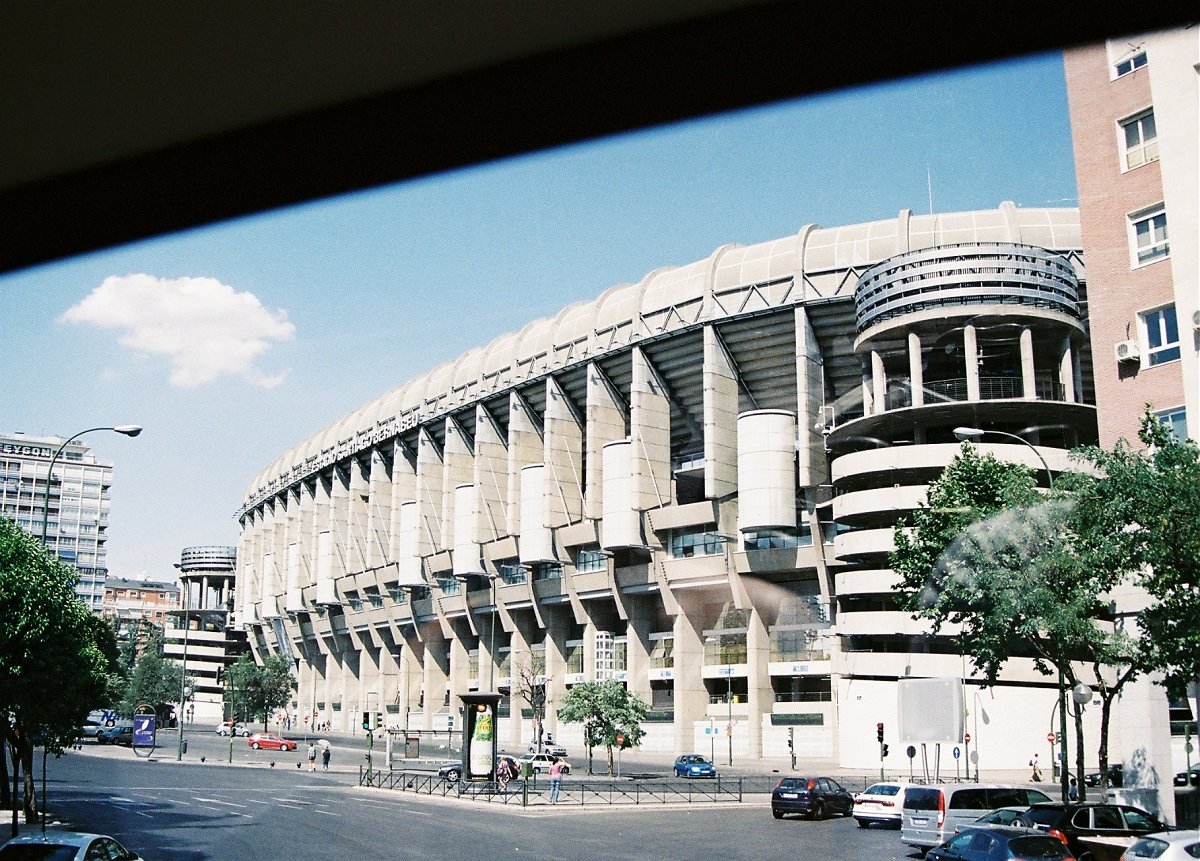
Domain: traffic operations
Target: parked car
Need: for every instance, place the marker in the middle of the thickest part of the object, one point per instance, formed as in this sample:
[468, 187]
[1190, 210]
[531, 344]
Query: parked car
[542, 762]
[55, 845]
[932, 814]
[1072, 821]
[999, 844]
[120, 732]
[227, 727]
[815, 797]
[89, 729]
[1168, 846]
[1191, 777]
[552, 749]
[694, 765]
[1116, 776]
[267, 741]
[451, 771]
[880, 804]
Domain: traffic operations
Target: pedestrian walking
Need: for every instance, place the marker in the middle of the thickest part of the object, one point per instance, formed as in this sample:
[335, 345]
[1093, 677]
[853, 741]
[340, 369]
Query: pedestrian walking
[312, 757]
[325, 758]
[1036, 776]
[1073, 791]
[556, 770]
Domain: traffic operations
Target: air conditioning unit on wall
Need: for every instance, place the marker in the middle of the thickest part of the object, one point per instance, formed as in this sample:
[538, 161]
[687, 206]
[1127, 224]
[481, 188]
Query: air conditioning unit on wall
[1127, 351]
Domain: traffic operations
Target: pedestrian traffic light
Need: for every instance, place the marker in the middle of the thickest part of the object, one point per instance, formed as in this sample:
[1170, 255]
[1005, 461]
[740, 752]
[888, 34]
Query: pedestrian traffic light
[366, 720]
[879, 731]
[883, 752]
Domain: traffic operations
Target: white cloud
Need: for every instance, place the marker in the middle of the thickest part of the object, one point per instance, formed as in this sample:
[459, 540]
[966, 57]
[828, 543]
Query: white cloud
[206, 328]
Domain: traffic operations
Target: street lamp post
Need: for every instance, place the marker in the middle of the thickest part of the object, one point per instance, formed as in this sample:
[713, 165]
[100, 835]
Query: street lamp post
[183, 685]
[127, 430]
[966, 434]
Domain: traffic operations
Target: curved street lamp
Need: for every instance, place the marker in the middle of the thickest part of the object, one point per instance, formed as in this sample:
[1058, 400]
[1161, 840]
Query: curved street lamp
[127, 430]
[966, 434]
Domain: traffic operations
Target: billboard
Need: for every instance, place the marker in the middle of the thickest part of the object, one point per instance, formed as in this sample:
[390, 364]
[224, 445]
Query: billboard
[931, 710]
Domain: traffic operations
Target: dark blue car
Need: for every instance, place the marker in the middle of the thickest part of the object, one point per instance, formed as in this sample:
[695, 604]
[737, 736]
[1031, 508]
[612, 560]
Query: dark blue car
[694, 765]
[814, 797]
[999, 844]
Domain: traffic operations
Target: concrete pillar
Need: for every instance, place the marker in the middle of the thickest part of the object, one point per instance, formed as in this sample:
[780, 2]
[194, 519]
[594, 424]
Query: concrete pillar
[720, 418]
[811, 463]
[650, 433]
[760, 696]
[916, 373]
[563, 456]
[868, 396]
[524, 449]
[1066, 371]
[878, 382]
[971, 362]
[1028, 376]
[558, 627]
[638, 629]
[436, 676]
[605, 422]
[691, 696]
[491, 477]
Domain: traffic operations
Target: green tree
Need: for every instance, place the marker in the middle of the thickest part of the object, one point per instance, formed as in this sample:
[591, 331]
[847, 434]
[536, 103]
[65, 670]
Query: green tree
[258, 691]
[155, 681]
[604, 709]
[53, 670]
[1008, 568]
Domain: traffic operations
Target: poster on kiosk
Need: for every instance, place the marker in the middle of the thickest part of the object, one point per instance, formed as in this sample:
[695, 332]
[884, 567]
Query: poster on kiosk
[479, 735]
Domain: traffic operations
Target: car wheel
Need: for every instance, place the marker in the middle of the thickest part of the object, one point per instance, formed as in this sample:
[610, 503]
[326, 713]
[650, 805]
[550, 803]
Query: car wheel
[862, 823]
[255, 745]
[819, 811]
[453, 775]
[566, 769]
[778, 814]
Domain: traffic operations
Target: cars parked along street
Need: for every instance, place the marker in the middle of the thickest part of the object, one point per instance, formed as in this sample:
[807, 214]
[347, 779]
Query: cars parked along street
[694, 765]
[552, 749]
[55, 845]
[999, 844]
[1116, 776]
[1073, 823]
[266, 741]
[932, 814]
[1188, 778]
[814, 797]
[880, 804]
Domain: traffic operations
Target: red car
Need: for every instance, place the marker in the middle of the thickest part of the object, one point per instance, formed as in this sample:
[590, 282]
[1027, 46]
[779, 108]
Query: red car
[266, 741]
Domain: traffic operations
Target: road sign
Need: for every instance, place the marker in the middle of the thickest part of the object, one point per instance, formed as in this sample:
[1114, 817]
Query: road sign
[1050, 737]
[911, 751]
[957, 751]
[143, 730]
[967, 738]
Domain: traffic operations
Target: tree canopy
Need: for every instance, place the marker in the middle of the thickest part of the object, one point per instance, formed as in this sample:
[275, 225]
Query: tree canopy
[53, 667]
[604, 709]
[258, 691]
[155, 681]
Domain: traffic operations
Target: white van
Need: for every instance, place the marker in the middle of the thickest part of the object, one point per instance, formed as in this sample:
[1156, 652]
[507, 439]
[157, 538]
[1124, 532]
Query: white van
[933, 813]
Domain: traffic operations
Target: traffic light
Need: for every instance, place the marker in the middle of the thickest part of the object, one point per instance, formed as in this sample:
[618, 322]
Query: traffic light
[884, 752]
[220, 675]
[366, 721]
[378, 720]
[879, 731]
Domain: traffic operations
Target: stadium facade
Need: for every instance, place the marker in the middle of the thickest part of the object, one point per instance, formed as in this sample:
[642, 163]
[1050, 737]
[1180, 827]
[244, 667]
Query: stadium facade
[688, 485]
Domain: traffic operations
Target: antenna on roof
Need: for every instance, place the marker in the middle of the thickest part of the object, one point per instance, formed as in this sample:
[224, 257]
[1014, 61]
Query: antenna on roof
[929, 183]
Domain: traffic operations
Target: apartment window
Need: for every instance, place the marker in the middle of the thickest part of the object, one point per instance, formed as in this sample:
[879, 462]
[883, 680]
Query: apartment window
[1176, 420]
[683, 543]
[1141, 139]
[1161, 332]
[1126, 56]
[1149, 234]
[591, 559]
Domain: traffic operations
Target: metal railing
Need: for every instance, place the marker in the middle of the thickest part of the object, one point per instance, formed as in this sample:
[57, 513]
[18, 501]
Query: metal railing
[536, 790]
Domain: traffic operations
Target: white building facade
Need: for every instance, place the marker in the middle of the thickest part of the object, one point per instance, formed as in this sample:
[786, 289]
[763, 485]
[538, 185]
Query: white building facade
[687, 485]
[77, 515]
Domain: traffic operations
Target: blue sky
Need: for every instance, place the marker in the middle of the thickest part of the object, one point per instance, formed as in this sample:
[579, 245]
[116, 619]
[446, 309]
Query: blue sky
[246, 337]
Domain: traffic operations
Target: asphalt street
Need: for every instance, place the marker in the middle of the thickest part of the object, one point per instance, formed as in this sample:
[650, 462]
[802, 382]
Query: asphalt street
[194, 811]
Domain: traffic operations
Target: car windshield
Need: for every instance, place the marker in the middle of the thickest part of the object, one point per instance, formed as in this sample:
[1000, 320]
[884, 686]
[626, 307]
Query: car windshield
[1147, 847]
[38, 852]
[882, 789]
[1037, 847]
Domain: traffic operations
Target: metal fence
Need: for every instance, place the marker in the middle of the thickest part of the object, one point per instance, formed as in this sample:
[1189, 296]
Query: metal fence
[535, 792]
